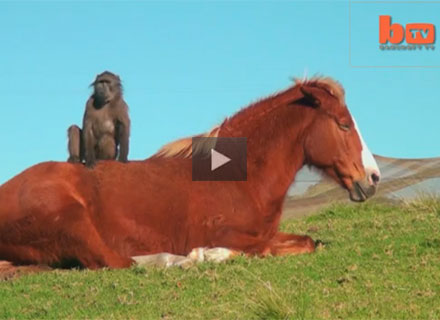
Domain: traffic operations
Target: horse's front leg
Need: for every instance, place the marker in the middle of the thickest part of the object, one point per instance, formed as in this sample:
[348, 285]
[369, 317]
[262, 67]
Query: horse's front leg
[285, 244]
[252, 239]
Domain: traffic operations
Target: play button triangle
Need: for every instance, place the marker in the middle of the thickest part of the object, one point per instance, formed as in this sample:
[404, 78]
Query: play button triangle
[218, 159]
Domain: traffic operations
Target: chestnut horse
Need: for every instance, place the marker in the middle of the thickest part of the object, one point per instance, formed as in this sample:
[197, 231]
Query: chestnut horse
[56, 212]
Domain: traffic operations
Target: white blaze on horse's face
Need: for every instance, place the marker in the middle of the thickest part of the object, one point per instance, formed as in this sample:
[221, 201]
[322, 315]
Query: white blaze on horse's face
[371, 168]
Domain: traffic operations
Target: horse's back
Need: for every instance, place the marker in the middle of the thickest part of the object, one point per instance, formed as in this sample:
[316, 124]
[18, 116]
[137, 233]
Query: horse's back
[113, 187]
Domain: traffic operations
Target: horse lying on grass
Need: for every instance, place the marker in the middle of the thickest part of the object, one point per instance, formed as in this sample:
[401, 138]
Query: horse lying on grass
[56, 213]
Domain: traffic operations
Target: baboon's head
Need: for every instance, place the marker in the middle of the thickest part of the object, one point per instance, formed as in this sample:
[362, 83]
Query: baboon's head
[107, 87]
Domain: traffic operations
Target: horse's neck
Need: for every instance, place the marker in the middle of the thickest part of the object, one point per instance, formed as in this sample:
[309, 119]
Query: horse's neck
[274, 149]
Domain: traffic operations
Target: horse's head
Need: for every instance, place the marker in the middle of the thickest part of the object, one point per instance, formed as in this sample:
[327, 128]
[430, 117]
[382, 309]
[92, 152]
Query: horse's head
[334, 143]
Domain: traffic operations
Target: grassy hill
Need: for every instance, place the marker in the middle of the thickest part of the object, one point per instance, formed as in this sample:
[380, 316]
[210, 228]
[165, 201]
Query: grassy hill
[378, 261]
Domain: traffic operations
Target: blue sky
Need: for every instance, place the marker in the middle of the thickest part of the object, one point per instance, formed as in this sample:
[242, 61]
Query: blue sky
[187, 65]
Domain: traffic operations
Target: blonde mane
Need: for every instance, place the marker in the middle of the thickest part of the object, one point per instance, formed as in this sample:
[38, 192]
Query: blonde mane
[182, 148]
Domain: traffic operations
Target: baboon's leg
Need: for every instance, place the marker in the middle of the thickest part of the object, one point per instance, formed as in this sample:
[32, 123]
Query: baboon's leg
[74, 144]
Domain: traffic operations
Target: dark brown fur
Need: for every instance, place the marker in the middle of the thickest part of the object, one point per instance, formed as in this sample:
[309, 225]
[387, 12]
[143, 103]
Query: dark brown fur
[106, 125]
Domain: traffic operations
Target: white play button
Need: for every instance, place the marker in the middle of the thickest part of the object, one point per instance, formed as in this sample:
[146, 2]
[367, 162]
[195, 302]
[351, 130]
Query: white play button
[218, 159]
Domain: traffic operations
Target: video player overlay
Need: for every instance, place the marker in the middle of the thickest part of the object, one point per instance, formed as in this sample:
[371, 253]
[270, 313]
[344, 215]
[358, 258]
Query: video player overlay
[219, 159]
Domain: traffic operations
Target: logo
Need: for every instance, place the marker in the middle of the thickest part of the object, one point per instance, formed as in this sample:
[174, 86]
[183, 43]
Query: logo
[416, 35]
[219, 159]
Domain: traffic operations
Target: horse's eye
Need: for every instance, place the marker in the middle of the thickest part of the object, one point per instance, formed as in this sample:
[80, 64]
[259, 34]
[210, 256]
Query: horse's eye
[344, 127]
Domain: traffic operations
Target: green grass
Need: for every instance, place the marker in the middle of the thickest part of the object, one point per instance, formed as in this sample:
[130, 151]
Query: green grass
[377, 262]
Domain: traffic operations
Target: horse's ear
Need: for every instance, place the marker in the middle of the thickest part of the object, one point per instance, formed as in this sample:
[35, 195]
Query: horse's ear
[311, 95]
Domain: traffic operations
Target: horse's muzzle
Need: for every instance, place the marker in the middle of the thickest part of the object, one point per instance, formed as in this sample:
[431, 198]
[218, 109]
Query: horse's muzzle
[366, 188]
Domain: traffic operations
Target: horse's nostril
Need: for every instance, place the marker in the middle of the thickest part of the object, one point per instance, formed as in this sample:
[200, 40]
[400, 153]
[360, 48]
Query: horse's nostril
[375, 178]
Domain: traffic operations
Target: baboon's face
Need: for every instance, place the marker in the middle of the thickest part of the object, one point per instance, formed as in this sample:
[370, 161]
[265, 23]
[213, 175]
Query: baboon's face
[107, 88]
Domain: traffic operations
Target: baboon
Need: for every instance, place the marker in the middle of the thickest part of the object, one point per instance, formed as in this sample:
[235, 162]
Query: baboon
[106, 124]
